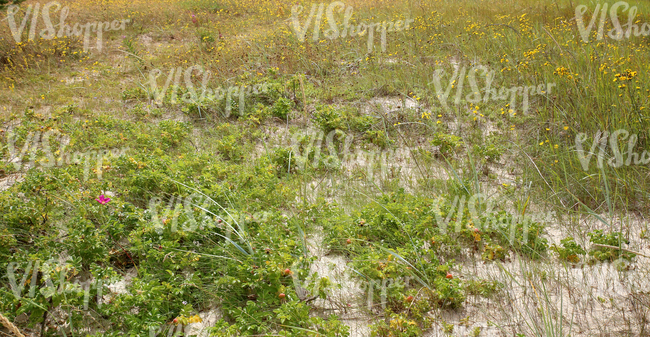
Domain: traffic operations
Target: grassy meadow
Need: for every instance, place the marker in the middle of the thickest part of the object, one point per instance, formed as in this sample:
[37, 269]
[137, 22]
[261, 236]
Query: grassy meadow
[351, 168]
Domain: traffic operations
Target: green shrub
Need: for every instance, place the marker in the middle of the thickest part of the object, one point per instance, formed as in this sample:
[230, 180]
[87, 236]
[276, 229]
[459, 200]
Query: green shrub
[379, 138]
[615, 239]
[569, 251]
[172, 133]
[328, 118]
[281, 108]
[396, 325]
[448, 144]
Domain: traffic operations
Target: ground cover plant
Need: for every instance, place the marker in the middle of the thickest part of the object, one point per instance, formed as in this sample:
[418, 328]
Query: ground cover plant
[347, 168]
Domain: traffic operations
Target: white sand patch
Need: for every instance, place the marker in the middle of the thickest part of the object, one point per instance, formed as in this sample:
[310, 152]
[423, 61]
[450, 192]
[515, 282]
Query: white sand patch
[346, 298]
[208, 319]
[120, 286]
[10, 180]
[387, 105]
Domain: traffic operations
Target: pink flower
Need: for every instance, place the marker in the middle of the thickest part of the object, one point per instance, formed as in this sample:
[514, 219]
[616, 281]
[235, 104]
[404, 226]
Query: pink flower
[103, 200]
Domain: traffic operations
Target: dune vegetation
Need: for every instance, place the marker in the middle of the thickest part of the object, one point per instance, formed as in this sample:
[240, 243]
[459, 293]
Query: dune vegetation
[348, 168]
